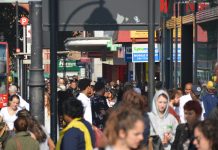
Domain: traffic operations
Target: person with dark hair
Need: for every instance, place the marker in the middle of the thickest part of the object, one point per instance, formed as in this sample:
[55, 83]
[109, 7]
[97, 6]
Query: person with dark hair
[37, 131]
[73, 89]
[12, 90]
[85, 89]
[111, 98]
[206, 135]
[78, 134]
[99, 106]
[8, 114]
[158, 85]
[22, 139]
[185, 131]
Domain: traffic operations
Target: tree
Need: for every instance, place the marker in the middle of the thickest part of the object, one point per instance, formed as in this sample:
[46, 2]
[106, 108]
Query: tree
[8, 24]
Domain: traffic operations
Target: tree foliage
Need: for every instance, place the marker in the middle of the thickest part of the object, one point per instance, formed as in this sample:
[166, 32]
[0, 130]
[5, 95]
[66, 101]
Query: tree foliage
[8, 24]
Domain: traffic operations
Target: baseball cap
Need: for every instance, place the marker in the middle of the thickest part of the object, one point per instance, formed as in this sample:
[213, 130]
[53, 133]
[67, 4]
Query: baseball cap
[196, 89]
[210, 85]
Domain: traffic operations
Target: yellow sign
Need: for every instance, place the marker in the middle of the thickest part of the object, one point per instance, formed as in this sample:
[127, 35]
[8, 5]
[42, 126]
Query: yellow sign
[140, 34]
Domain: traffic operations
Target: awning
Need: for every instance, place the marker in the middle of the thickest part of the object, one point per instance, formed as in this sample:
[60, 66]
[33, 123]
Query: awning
[87, 43]
[207, 15]
[123, 36]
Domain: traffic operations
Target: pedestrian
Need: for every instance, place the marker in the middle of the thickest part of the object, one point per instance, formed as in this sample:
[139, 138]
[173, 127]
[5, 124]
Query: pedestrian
[132, 99]
[85, 88]
[8, 114]
[214, 113]
[206, 135]
[4, 134]
[185, 132]
[47, 112]
[37, 131]
[124, 129]
[73, 89]
[188, 88]
[78, 134]
[174, 96]
[23, 104]
[184, 99]
[111, 97]
[22, 139]
[162, 123]
[99, 106]
[209, 99]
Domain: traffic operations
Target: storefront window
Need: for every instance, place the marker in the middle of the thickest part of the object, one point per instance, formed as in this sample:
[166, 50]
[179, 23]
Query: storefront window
[207, 53]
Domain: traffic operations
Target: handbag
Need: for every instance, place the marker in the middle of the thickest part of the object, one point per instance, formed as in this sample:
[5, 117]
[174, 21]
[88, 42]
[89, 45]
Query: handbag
[100, 138]
[155, 143]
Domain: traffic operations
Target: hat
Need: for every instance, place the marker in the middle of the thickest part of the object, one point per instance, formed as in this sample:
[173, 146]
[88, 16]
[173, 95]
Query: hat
[196, 89]
[210, 85]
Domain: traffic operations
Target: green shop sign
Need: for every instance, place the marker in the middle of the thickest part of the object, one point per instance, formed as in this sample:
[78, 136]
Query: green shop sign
[69, 64]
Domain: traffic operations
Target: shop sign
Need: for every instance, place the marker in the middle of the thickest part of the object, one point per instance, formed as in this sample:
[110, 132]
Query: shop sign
[74, 55]
[128, 54]
[139, 34]
[140, 53]
[69, 64]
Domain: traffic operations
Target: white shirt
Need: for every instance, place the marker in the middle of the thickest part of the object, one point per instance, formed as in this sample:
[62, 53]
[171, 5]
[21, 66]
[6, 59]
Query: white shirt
[183, 99]
[87, 107]
[111, 103]
[23, 104]
[9, 119]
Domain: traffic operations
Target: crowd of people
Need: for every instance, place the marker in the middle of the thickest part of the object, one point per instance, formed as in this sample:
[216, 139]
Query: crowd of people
[115, 116]
[174, 117]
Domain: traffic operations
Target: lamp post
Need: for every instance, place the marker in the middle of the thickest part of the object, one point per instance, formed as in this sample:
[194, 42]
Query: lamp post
[151, 18]
[53, 8]
[36, 81]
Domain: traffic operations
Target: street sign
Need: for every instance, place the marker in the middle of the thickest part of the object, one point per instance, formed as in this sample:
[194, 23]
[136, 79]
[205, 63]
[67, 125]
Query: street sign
[70, 65]
[24, 21]
[128, 54]
[19, 1]
[78, 15]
